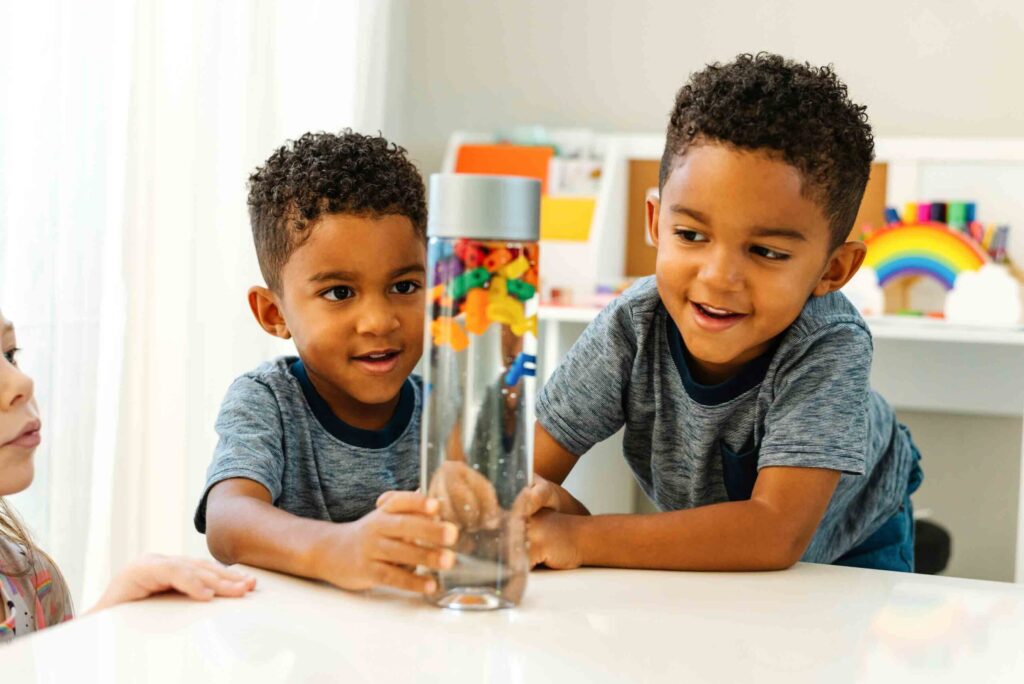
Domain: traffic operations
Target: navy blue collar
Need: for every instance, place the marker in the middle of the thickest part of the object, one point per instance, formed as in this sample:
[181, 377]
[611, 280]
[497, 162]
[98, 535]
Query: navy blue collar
[750, 376]
[368, 439]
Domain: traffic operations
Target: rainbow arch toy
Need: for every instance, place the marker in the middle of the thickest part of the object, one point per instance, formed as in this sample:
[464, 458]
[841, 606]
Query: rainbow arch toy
[924, 249]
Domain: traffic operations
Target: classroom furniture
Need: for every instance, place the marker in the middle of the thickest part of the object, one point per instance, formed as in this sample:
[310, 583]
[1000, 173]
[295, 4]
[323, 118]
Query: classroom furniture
[812, 623]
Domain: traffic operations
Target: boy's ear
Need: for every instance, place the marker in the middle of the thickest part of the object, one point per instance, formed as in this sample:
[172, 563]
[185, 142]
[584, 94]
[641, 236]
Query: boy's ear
[842, 265]
[267, 310]
[653, 209]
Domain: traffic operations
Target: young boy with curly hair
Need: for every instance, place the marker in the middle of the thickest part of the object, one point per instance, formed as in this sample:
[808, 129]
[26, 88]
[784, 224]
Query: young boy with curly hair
[739, 371]
[318, 454]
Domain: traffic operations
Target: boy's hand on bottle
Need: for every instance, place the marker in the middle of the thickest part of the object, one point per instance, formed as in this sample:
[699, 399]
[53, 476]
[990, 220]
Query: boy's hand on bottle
[466, 497]
[543, 494]
[155, 574]
[552, 540]
[384, 547]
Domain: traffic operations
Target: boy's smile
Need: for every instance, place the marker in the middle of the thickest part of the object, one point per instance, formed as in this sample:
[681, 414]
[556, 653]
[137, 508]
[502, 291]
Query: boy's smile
[740, 250]
[352, 299]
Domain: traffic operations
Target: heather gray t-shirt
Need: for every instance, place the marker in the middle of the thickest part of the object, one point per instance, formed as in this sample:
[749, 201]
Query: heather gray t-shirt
[805, 403]
[275, 429]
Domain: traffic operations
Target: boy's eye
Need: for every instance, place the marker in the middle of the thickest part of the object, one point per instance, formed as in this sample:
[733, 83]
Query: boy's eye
[406, 287]
[691, 235]
[770, 254]
[11, 356]
[338, 293]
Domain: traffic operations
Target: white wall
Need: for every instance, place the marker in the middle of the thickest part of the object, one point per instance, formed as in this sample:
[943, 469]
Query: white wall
[938, 68]
[941, 68]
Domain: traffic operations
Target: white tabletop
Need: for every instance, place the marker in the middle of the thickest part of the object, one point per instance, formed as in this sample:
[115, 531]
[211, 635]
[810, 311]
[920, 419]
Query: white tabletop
[812, 623]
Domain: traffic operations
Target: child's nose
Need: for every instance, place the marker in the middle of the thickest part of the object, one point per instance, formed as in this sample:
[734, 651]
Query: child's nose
[377, 317]
[15, 387]
[722, 270]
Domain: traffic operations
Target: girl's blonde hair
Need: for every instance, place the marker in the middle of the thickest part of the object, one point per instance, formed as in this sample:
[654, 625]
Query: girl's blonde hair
[25, 566]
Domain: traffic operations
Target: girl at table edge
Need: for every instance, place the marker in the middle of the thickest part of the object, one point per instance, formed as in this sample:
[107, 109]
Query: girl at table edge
[33, 592]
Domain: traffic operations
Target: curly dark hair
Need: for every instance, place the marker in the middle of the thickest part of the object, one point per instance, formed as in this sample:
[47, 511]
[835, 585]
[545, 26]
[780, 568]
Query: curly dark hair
[797, 112]
[324, 173]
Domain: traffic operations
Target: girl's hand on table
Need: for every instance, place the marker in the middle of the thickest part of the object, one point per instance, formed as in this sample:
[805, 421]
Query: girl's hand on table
[154, 574]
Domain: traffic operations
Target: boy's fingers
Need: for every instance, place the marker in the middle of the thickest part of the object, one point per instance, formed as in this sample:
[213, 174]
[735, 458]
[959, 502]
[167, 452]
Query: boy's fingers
[486, 500]
[404, 553]
[529, 501]
[407, 502]
[418, 530]
[462, 501]
[535, 555]
[522, 506]
[447, 508]
[439, 492]
[542, 495]
[393, 576]
[535, 544]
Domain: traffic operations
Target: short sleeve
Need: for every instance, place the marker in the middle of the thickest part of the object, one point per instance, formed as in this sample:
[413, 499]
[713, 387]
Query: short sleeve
[250, 441]
[818, 417]
[584, 401]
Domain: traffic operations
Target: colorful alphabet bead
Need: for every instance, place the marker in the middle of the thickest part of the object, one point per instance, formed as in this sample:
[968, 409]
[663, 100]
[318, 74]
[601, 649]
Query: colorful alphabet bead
[524, 365]
[447, 332]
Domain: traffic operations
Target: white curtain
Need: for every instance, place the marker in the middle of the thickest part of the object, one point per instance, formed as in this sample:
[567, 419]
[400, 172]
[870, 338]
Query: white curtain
[127, 132]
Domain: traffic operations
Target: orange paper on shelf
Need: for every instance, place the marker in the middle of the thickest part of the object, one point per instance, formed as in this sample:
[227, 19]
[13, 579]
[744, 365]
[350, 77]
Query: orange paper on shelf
[506, 160]
[566, 218]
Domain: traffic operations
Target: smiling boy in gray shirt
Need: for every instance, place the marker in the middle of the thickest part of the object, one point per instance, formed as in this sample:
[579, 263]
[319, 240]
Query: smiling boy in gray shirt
[317, 453]
[739, 371]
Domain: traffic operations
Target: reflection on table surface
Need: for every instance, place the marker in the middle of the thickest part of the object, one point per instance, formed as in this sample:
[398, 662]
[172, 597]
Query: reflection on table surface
[811, 623]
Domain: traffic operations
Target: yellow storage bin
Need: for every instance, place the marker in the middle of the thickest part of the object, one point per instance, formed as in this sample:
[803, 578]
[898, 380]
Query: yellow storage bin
[566, 218]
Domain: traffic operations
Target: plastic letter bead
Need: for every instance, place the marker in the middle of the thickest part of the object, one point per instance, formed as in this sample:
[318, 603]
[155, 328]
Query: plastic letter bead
[446, 331]
[525, 364]
[446, 269]
[499, 288]
[505, 310]
[527, 325]
[461, 285]
[516, 268]
[476, 311]
[497, 259]
[520, 289]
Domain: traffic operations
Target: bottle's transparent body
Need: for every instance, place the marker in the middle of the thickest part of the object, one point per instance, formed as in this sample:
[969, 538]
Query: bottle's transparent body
[477, 448]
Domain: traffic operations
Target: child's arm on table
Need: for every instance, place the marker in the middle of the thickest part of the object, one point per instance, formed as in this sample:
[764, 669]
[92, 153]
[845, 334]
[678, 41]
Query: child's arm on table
[770, 531]
[551, 465]
[243, 526]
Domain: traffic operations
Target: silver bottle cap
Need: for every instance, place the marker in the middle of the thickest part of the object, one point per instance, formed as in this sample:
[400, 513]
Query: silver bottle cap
[467, 205]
